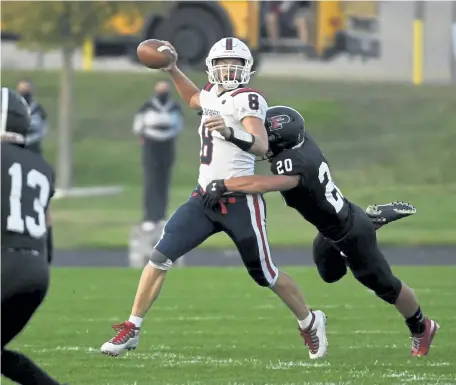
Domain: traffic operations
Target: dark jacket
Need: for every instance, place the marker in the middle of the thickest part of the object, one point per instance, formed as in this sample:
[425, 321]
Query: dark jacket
[158, 121]
[38, 127]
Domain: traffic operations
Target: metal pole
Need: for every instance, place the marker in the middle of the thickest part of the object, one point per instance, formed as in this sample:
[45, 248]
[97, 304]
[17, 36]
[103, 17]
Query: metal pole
[453, 43]
[418, 43]
[87, 55]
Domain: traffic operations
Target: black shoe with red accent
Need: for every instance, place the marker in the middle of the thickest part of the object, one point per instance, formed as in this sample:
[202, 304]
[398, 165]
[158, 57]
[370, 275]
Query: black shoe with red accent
[126, 338]
[386, 213]
[421, 343]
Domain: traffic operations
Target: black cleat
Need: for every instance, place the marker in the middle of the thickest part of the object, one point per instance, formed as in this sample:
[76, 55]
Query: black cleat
[381, 215]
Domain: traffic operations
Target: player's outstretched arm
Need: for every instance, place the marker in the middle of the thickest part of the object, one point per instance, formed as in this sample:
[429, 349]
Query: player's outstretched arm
[187, 90]
[254, 184]
[261, 184]
[257, 184]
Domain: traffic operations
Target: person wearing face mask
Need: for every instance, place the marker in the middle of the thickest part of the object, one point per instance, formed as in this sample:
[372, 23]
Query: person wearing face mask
[157, 123]
[38, 117]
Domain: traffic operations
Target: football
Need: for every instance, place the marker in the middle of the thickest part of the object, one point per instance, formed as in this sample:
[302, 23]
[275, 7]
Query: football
[154, 54]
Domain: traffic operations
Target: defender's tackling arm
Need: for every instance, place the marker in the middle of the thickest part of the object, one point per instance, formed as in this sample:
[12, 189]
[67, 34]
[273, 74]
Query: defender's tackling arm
[257, 184]
[253, 184]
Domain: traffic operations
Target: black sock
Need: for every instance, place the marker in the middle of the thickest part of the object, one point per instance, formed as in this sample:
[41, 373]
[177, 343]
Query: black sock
[23, 370]
[416, 323]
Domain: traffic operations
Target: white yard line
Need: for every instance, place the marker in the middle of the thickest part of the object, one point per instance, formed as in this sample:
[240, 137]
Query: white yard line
[164, 357]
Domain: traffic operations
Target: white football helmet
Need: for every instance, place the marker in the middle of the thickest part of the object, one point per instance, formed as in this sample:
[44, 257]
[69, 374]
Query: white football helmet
[229, 76]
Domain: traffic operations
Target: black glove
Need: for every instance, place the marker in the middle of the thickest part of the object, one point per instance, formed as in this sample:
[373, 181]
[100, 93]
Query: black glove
[214, 192]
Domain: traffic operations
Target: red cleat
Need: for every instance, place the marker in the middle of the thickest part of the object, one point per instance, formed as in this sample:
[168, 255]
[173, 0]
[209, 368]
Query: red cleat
[421, 343]
[315, 335]
[126, 338]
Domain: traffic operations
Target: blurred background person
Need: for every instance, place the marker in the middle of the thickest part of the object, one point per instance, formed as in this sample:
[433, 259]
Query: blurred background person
[38, 120]
[299, 12]
[279, 14]
[158, 123]
[272, 15]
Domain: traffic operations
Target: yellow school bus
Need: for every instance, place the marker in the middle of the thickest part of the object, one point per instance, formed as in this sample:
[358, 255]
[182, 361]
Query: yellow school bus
[347, 26]
[193, 26]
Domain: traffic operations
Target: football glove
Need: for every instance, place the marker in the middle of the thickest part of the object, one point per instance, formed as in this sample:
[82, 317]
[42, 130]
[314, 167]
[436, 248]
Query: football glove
[383, 214]
[214, 192]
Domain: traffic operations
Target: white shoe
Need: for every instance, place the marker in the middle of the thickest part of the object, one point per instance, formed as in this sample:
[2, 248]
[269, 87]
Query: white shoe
[127, 338]
[315, 335]
[148, 226]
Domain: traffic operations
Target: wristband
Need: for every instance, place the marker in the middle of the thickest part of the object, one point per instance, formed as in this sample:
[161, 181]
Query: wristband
[243, 140]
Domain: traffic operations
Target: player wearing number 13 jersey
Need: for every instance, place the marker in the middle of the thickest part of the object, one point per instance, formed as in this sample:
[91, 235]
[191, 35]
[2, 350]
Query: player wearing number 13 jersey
[232, 132]
[27, 186]
[346, 234]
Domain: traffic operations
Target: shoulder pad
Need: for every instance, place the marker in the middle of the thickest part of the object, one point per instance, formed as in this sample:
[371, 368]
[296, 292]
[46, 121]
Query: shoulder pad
[249, 102]
[244, 90]
[208, 87]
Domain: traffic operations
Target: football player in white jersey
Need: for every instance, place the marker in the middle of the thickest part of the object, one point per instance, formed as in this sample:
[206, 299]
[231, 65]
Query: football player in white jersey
[232, 132]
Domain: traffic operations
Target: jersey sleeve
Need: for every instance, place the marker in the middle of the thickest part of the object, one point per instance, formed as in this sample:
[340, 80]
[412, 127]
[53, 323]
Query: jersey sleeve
[52, 192]
[51, 178]
[249, 102]
[287, 163]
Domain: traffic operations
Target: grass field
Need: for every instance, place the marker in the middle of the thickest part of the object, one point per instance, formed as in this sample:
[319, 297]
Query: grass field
[214, 326]
[384, 142]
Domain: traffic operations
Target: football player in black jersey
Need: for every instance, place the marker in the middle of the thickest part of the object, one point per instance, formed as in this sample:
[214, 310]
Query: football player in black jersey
[346, 234]
[27, 186]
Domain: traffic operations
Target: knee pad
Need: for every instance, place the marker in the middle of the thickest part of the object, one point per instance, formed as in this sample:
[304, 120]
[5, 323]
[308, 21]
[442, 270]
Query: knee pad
[331, 265]
[334, 274]
[160, 261]
[385, 285]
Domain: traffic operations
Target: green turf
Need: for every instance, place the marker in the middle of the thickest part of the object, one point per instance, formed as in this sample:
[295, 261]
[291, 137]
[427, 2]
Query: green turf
[215, 326]
[384, 142]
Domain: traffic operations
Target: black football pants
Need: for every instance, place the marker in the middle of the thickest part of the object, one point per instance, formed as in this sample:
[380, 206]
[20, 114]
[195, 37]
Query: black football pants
[25, 280]
[157, 162]
[359, 251]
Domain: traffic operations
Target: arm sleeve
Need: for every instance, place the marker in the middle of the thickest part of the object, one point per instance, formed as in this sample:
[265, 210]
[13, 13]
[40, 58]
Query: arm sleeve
[38, 129]
[138, 123]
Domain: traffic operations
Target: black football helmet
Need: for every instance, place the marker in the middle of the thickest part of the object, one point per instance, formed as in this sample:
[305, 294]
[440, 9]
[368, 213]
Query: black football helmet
[15, 119]
[285, 127]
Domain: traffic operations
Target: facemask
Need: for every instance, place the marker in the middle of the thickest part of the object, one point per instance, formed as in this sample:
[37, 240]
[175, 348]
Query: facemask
[28, 96]
[163, 97]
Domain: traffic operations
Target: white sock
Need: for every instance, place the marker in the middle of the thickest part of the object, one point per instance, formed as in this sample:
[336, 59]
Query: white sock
[137, 321]
[305, 323]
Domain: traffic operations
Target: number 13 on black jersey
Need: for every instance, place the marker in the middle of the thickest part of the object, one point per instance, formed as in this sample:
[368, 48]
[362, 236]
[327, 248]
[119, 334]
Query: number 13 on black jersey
[23, 219]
